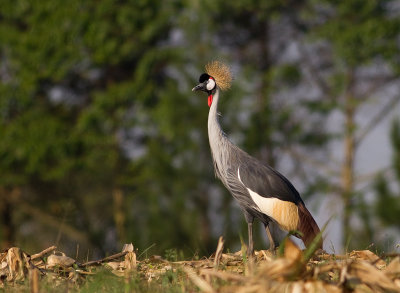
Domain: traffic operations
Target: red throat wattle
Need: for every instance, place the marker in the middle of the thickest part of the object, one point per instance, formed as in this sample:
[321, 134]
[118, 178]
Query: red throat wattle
[210, 97]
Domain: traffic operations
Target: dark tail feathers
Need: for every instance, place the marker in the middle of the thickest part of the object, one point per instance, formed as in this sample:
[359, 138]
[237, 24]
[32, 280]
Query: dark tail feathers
[307, 226]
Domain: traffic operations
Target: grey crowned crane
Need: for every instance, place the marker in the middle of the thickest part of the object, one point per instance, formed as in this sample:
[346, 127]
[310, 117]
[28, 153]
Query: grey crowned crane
[262, 192]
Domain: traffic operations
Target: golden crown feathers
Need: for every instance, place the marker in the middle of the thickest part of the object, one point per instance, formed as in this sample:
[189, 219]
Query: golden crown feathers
[221, 73]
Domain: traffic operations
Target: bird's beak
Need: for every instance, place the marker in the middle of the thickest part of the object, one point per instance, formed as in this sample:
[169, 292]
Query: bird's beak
[199, 87]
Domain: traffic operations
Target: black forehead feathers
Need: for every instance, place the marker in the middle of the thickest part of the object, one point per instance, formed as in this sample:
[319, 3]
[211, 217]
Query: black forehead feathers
[204, 77]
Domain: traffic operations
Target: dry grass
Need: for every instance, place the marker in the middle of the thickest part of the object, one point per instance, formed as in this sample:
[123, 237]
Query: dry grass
[293, 271]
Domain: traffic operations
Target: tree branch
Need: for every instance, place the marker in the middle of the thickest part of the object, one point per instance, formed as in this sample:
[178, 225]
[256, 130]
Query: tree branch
[377, 119]
[311, 161]
[317, 79]
[51, 221]
[40, 254]
[108, 258]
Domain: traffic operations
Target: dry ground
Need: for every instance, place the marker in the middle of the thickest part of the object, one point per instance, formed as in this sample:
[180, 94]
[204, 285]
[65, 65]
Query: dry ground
[288, 270]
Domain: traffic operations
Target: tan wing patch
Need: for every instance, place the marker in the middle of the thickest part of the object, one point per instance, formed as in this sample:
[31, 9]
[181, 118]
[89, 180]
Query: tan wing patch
[221, 73]
[286, 214]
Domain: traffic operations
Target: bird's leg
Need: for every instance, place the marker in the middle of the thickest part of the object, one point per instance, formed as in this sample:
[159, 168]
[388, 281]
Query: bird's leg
[271, 240]
[250, 248]
[249, 219]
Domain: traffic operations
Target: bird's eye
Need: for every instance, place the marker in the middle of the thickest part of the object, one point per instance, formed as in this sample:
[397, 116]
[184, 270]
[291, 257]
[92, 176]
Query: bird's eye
[210, 84]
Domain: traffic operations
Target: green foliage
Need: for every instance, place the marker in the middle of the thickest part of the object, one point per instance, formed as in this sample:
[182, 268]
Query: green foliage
[360, 31]
[387, 199]
[395, 138]
[288, 74]
[353, 36]
[75, 77]
[173, 254]
[105, 281]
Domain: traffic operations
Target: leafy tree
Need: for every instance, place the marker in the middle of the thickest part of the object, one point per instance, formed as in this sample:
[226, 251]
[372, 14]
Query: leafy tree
[353, 38]
[73, 80]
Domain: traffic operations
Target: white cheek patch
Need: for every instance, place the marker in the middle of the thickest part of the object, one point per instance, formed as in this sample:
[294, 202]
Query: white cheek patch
[210, 84]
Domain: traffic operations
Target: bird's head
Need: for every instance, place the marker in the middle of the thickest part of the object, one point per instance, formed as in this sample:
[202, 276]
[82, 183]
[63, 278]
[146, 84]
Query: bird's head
[218, 75]
[206, 84]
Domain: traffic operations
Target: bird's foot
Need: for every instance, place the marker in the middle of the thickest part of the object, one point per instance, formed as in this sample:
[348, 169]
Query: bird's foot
[250, 253]
[272, 247]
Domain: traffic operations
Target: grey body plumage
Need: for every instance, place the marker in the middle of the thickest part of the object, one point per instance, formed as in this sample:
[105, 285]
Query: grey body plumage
[227, 158]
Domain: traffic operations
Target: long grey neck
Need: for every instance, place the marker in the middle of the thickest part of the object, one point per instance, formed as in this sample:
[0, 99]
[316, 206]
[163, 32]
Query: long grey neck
[221, 147]
[215, 132]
